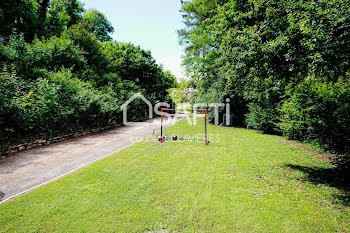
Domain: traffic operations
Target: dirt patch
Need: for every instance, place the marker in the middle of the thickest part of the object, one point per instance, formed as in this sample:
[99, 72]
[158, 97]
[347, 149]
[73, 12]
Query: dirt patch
[333, 159]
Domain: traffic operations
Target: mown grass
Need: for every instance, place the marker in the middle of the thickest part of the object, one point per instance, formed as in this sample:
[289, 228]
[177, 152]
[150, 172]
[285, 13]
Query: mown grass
[245, 181]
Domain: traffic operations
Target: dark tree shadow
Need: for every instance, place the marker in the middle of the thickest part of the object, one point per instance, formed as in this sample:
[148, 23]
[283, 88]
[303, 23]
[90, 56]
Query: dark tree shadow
[338, 177]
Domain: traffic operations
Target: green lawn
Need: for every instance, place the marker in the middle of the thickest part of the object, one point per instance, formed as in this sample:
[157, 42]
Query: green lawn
[245, 181]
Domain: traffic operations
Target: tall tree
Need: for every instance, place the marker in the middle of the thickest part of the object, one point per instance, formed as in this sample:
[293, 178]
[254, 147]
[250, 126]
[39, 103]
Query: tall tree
[98, 24]
[42, 16]
[19, 16]
[258, 53]
[63, 14]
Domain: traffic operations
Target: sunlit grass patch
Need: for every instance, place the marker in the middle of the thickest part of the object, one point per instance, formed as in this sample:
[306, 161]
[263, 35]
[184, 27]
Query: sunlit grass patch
[244, 181]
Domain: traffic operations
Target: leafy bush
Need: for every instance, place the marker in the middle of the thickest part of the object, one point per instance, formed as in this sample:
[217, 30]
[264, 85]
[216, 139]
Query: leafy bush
[67, 73]
[132, 63]
[88, 43]
[261, 119]
[32, 60]
[318, 111]
[265, 52]
[9, 93]
[60, 103]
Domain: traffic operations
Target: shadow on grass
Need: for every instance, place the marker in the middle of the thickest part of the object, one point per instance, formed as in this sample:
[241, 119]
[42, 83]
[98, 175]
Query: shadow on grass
[337, 177]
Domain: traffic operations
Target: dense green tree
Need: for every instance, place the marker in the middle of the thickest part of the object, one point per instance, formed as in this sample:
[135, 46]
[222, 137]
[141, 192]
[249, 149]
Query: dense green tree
[137, 65]
[62, 15]
[19, 16]
[92, 48]
[179, 93]
[258, 53]
[62, 71]
[42, 16]
[33, 60]
[38, 18]
[98, 24]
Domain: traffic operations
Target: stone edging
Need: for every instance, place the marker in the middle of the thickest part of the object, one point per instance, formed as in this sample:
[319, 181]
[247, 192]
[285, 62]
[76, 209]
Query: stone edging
[43, 142]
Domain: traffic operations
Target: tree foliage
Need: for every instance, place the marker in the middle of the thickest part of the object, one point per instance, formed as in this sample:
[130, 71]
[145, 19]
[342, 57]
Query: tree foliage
[62, 71]
[272, 59]
[179, 94]
[98, 24]
[62, 14]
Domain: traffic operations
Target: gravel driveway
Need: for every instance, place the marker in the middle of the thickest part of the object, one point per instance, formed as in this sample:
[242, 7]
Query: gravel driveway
[27, 170]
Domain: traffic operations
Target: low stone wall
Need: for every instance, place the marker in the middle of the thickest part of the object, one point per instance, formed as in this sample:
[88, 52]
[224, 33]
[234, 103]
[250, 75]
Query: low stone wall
[43, 142]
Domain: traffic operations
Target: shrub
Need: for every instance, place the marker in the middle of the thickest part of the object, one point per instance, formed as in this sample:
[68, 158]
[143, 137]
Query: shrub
[9, 93]
[32, 60]
[318, 111]
[262, 119]
[59, 103]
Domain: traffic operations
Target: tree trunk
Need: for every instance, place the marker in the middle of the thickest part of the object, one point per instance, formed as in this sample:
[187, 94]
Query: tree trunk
[42, 17]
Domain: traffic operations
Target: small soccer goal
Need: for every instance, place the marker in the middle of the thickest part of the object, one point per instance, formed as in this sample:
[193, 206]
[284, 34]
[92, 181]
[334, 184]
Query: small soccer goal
[183, 125]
